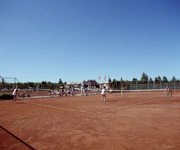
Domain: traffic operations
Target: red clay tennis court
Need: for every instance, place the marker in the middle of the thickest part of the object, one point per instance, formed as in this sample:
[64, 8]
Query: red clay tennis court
[133, 121]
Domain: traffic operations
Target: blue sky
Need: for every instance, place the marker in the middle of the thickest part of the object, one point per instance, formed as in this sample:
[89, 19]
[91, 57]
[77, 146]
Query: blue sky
[75, 40]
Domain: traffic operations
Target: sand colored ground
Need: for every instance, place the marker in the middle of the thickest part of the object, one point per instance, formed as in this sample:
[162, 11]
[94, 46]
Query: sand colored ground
[133, 121]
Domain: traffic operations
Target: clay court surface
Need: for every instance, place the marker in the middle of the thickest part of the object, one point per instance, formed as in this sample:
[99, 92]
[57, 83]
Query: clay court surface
[133, 121]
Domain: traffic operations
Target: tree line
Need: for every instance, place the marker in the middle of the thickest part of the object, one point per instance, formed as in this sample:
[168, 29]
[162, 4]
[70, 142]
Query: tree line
[33, 85]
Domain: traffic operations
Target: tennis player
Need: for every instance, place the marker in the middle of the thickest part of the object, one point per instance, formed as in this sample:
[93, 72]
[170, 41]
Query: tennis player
[103, 94]
[15, 92]
[167, 89]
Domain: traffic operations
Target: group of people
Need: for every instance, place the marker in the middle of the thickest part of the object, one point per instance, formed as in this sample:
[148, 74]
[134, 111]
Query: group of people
[57, 92]
[63, 92]
[69, 91]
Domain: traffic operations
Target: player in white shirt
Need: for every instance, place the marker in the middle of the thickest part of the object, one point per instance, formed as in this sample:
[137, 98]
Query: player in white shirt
[15, 92]
[103, 94]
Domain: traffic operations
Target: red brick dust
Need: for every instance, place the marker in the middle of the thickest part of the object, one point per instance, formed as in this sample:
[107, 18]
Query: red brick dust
[133, 121]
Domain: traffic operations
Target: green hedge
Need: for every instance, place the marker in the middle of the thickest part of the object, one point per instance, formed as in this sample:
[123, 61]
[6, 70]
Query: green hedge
[6, 96]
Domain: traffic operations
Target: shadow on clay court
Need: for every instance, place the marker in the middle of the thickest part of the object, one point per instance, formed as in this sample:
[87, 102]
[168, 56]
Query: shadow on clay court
[110, 101]
[9, 133]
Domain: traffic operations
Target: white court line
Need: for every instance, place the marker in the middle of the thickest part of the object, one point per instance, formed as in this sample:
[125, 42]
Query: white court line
[125, 106]
[92, 112]
[54, 107]
[62, 108]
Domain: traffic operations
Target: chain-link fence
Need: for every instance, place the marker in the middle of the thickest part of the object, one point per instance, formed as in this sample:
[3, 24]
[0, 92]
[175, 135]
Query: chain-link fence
[8, 83]
[173, 84]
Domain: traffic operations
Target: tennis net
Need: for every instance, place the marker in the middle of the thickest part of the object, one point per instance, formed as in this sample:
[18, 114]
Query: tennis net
[138, 93]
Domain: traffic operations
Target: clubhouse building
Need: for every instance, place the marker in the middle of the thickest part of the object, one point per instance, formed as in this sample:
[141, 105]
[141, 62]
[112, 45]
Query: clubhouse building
[89, 84]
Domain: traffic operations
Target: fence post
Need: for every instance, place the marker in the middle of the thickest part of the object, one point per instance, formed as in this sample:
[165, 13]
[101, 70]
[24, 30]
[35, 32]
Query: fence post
[160, 84]
[14, 83]
[116, 84]
[175, 84]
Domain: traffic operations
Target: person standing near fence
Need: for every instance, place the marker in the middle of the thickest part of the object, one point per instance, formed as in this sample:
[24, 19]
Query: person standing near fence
[169, 91]
[72, 91]
[15, 92]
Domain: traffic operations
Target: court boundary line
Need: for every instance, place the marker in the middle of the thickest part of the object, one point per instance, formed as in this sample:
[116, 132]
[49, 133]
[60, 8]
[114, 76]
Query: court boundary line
[125, 106]
[139, 103]
[61, 108]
